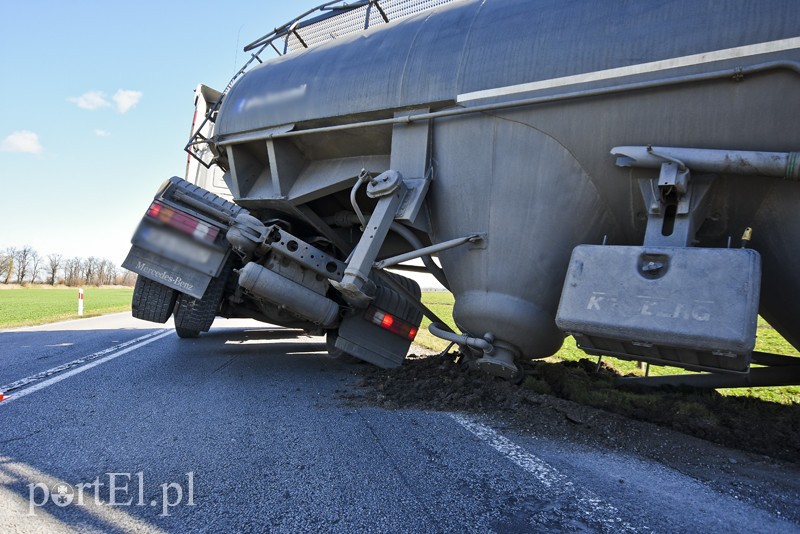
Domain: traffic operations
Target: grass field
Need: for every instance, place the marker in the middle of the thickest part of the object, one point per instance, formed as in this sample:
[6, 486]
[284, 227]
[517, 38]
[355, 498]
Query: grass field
[39, 305]
[441, 303]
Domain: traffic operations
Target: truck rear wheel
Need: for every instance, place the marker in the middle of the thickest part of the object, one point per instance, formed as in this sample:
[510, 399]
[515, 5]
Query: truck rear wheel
[192, 315]
[152, 301]
[186, 333]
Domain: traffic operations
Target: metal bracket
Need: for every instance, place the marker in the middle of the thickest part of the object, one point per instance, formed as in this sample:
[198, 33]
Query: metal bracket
[677, 205]
[678, 227]
[673, 183]
[412, 203]
[480, 243]
[306, 255]
[390, 190]
[412, 156]
[385, 184]
[251, 237]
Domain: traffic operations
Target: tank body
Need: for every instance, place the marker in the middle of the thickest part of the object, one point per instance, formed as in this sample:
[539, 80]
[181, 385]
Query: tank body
[537, 180]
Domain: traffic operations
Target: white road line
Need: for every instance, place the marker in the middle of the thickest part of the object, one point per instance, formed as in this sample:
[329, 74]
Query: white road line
[641, 68]
[74, 363]
[78, 366]
[590, 506]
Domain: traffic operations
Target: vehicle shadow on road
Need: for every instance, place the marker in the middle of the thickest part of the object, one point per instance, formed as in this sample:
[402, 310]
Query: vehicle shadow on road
[265, 349]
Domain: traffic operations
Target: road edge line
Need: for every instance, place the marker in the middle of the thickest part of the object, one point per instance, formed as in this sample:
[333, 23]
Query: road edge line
[94, 363]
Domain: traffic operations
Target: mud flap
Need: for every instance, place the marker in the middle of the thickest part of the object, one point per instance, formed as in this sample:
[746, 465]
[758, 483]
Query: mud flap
[166, 272]
[360, 335]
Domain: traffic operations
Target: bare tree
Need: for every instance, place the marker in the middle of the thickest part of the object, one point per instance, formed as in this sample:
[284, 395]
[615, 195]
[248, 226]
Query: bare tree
[36, 265]
[100, 271]
[109, 272]
[72, 271]
[90, 271]
[53, 265]
[23, 262]
[125, 278]
[8, 265]
[27, 265]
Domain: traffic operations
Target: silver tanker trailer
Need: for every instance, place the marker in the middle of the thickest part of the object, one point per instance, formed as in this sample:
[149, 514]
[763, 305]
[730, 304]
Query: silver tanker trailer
[622, 172]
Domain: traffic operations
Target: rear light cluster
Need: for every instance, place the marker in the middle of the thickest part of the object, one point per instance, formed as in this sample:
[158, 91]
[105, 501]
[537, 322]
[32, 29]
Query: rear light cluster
[182, 222]
[391, 323]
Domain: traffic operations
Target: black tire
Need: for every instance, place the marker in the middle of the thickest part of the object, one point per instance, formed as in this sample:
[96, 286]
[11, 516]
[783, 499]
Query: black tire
[193, 314]
[152, 301]
[206, 197]
[186, 333]
[335, 353]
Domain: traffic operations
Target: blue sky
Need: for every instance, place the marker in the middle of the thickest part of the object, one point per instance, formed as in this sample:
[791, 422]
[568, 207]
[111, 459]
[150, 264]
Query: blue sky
[97, 104]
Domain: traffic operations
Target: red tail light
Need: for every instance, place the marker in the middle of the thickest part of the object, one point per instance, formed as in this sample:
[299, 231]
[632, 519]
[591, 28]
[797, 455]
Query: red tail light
[391, 323]
[155, 209]
[183, 222]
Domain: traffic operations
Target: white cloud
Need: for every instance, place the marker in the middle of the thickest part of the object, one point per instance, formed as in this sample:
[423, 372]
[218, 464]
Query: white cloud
[22, 141]
[91, 100]
[126, 99]
[102, 133]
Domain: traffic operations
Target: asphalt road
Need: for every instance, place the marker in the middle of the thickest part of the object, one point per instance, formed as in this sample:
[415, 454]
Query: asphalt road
[245, 429]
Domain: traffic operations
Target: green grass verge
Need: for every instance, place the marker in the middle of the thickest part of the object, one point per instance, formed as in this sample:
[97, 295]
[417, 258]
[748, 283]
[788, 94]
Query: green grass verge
[39, 305]
[441, 303]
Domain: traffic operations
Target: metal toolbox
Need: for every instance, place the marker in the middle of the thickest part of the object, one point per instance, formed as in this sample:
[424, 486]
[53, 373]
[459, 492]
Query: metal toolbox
[696, 308]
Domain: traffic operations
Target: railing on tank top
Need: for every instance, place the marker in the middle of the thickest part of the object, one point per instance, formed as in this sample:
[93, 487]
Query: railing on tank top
[323, 23]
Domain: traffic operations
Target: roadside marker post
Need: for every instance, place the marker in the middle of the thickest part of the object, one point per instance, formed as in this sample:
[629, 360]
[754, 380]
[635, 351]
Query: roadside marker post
[80, 302]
